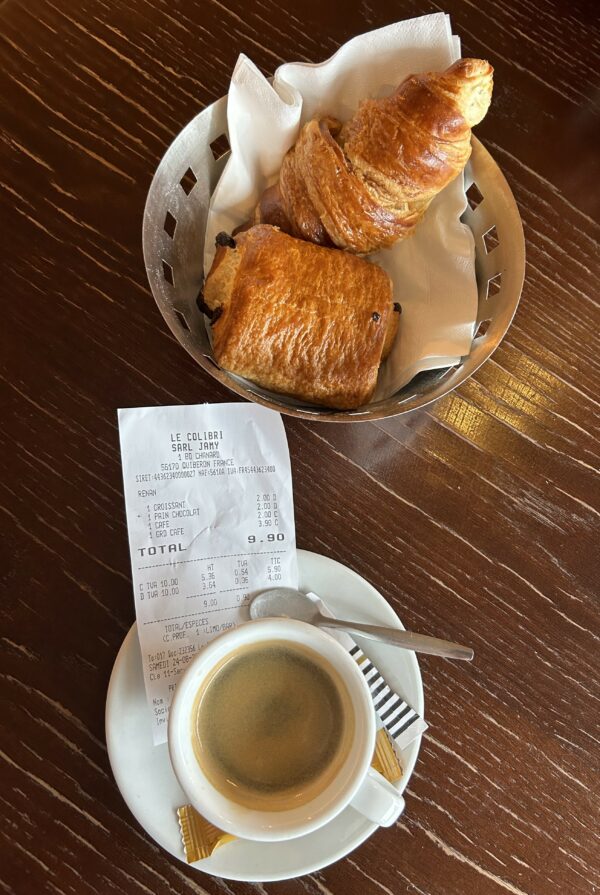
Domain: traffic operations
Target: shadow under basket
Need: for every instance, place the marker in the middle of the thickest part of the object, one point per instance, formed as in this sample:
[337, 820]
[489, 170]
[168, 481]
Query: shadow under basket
[173, 239]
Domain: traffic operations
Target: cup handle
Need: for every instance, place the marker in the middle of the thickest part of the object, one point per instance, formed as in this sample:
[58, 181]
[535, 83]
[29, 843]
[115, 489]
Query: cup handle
[378, 800]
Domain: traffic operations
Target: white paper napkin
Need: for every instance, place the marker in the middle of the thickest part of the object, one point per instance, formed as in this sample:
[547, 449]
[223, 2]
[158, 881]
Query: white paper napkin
[433, 271]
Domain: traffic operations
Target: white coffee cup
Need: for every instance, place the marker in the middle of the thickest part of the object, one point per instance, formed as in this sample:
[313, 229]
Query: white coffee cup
[357, 784]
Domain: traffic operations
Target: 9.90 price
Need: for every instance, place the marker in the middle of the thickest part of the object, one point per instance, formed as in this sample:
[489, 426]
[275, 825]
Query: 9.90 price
[272, 536]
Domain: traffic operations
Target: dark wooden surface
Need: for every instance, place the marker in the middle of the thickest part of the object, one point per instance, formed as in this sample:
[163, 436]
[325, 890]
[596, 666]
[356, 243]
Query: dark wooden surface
[477, 517]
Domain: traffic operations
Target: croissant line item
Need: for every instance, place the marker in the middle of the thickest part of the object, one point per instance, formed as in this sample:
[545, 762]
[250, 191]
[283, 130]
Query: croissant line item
[363, 185]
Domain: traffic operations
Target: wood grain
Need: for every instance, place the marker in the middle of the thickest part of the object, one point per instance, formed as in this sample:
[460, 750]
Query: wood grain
[478, 517]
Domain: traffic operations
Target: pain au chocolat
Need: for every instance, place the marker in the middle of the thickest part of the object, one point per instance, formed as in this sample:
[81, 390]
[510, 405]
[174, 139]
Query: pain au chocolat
[297, 318]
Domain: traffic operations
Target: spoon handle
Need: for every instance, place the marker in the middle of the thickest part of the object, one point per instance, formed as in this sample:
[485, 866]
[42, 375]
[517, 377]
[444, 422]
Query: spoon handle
[420, 643]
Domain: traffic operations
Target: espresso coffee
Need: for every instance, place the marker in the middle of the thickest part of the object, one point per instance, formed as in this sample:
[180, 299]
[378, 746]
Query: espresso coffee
[272, 726]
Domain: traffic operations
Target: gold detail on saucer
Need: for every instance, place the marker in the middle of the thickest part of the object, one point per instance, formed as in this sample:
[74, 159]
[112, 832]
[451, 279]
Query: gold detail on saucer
[200, 838]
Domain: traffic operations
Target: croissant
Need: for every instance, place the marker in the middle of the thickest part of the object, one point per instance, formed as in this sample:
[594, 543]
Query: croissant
[368, 183]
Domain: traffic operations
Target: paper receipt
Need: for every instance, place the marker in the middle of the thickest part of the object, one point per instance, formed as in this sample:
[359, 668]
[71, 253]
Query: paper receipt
[210, 516]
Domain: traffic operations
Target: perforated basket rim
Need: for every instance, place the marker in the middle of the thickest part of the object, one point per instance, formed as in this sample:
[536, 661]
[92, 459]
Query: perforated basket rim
[496, 214]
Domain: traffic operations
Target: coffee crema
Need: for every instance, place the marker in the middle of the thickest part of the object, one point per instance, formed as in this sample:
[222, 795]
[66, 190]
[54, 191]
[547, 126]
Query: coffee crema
[272, 725]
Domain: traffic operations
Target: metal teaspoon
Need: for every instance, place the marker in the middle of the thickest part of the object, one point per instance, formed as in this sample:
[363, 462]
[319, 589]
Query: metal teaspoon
[289, 603]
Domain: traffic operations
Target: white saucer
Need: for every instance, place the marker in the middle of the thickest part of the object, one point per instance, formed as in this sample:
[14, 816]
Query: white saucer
[147, 783]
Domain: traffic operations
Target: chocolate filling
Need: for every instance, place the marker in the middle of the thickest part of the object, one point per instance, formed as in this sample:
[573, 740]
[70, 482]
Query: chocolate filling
[224, 239]
[213, 314]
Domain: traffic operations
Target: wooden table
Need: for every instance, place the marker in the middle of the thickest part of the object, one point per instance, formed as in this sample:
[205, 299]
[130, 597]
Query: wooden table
[477, 517]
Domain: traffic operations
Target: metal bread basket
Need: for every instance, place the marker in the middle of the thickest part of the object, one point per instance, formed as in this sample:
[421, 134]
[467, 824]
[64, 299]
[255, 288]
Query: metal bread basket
[173, 240]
